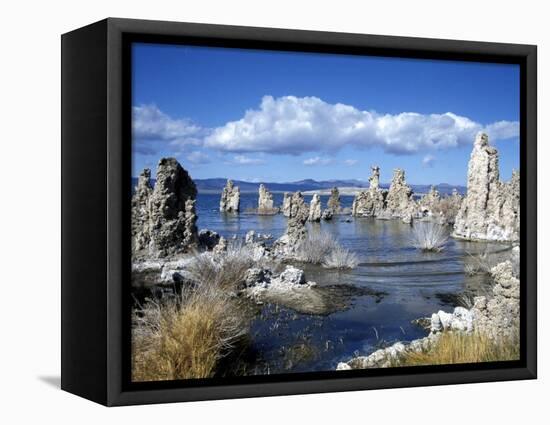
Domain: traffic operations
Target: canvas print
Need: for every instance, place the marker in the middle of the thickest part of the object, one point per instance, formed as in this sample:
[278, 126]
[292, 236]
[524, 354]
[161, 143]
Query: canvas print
[300, 212]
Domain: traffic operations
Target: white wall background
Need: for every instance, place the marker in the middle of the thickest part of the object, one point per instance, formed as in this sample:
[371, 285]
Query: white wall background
[30, 209]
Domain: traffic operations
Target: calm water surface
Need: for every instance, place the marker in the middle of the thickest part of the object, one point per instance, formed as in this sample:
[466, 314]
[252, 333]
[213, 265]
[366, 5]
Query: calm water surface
[411, 283]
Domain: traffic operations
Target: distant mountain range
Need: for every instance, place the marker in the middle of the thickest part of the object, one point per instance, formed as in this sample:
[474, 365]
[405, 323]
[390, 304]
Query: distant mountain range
[215, 185]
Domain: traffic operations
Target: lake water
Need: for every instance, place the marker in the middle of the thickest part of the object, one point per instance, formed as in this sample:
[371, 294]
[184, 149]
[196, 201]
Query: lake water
[410, 284]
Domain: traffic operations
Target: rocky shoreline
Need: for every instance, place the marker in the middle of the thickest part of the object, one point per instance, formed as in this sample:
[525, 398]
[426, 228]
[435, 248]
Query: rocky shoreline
[496, 317]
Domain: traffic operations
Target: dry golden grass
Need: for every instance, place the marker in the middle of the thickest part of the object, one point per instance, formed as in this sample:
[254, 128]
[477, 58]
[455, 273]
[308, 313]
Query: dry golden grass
[456, 347]
[187, 337]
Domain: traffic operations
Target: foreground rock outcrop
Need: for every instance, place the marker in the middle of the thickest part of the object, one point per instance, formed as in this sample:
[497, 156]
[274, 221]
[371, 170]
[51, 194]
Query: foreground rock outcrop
[490, 210]
[164, 216]
[370, 203]
[231, 198]
[496, 317]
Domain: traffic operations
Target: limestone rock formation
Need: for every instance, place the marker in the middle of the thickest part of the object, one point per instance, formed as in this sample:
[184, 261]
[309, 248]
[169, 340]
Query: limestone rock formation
[374, 179]
[231, 198]
[499, 316]
[429, 202]
[296, 230]
[190, 236]
[399, 202]
[164, 219]
[334, 201]
[490, 210]
[287, 201]
[370, 203]
[140, 211]
[265, 201]
[315, 208]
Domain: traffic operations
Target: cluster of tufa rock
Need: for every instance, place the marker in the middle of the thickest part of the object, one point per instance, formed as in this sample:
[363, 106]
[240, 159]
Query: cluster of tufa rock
[265, 201]
[296, 231]
[490, 210]
[231, 198]
[315, 208]
[333, 203]
[370, 203]
[399, 201]
[164, 217]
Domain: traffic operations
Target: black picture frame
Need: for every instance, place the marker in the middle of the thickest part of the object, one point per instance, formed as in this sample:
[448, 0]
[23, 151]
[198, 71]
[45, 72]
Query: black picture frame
[96, 137]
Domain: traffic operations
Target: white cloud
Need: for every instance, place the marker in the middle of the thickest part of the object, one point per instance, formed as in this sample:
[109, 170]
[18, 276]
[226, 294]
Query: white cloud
[351, 162]
[150, 124]
[245, 160]
[317, 160]
[428, 161]
[293, 125]
[198, 157]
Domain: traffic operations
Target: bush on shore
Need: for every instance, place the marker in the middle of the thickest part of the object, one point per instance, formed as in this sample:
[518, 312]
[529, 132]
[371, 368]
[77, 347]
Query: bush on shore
[458, 347]
[187, 336]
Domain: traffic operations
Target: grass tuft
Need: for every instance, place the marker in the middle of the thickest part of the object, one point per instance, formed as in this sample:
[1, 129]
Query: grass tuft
[458, 347]
[429, 236]
[316, 247]
[187, 336]
[341, 258]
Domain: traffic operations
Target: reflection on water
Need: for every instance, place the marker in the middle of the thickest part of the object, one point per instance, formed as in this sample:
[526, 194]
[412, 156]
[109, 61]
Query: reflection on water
[414, 283]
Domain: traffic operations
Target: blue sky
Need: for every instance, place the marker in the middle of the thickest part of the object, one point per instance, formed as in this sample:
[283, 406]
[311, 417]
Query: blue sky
[283, 116]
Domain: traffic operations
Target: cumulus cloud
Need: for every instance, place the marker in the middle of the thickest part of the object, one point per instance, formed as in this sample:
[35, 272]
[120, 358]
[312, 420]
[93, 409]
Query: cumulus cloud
[317, 160]
[428, 161]
[150, 124]
[294, 125]
[245, 160]
[351, 162]
[198, 157]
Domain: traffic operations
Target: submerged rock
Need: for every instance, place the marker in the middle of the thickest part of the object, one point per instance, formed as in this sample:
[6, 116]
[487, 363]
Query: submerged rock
[327, 214]
[315, 208]
[490, 210]
[164, 219]
[230, 198]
